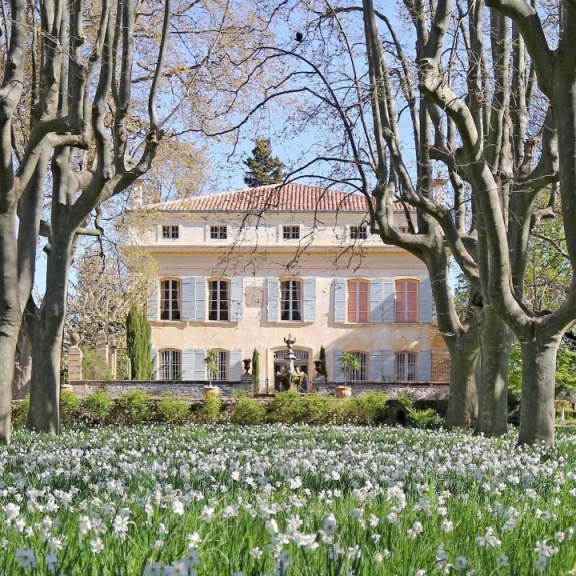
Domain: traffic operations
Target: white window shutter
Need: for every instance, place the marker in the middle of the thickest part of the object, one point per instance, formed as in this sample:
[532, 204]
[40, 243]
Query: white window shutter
[389, 365]
[338, 374]
[188, 358]
[153, 303]
[154, 356]
[340, 286]
[236, 299]
[376, 367]
[200, 299]
[199, 364]
[425, 366]
[425, 289]
[309, 299]
[235, 365]
[376, 301]
[273, 299]
[388, 301]
[189, 299]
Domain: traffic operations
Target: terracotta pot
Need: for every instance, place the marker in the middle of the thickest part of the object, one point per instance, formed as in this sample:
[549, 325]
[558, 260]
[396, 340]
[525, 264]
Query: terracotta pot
[207, 389]
[343, 391]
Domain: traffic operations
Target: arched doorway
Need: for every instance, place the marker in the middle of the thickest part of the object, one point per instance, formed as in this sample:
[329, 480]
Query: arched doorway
[302, 360]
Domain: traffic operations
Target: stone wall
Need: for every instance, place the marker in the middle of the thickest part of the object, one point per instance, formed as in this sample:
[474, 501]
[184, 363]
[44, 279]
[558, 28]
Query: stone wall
[392, 390]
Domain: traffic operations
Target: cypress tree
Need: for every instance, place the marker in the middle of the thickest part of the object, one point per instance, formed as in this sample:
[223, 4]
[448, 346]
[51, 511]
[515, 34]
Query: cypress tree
[323, 370]
[256, 370]
[139, 344]
[263, 168]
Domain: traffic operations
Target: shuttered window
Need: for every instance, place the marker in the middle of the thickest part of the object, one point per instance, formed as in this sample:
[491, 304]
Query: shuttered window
[222, 360]
[358, 300]
[291, 300]
[359, 375]
[219, 300]
[170, 307]
[406, 301]
[406, 366]
[170, 365]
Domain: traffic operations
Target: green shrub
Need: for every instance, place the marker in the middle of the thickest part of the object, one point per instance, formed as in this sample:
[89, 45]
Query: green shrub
[135, 407]
[209, 412]
[319, 409]
[173, 410]
[428, 418]
[69, 404]
[96, 407]
[246, 410]
[371, 407]
[287, 407]
[94, 366]
[123, 368]
[20, 412]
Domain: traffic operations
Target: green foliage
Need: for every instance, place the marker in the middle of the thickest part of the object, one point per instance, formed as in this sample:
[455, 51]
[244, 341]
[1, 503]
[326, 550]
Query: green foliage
[69, 404]
[135, 407]
[209, 412]
[96, 407]
[20, 412]
[349, 363]
[287, 407]
[246, 410]
[123, 368]
[94, 366]
[139, 344]
[323, 370]
[515, 367]
[173, 410]
[256, 369]
[263, 168]
[428, 418]
[371, 406]
[212, 364]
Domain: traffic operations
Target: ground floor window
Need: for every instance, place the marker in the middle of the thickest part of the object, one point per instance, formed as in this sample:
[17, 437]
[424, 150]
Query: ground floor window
[170, 365]
[222, 363]
[406, 366]
[359, 375]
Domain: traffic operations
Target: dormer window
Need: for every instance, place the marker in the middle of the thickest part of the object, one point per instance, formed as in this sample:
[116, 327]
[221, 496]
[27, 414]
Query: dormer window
[358, 232]
[291, 232]
[218, 232]
[170, 232]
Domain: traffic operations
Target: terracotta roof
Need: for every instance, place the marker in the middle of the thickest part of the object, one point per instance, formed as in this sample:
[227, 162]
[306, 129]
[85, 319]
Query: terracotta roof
[272, 198]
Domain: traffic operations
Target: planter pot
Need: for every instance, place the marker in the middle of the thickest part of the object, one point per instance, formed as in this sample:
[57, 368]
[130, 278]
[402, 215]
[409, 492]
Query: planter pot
[343, 391]
[214, 389]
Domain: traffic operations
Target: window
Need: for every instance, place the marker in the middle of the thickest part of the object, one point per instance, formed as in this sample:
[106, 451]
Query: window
[170, 365]
[291, 232]
[358, 301]
[291, 300]
[222, 362]
[358, 232]
[219, 304]
[170, 300]
[406, 367]
[170, 232]
[406, 301]
[218, 232]
[359, 375]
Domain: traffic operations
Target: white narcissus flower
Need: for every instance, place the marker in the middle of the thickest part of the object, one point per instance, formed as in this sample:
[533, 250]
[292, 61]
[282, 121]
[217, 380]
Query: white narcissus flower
[96, 545]
[26, 558]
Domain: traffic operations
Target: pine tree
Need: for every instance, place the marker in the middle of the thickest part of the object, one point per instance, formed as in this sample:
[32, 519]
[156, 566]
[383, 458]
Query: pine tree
[139, 344]
[263, 168]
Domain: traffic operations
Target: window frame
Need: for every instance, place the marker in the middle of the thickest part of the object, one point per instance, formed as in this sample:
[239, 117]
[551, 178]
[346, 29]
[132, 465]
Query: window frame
[170, 228]
[223, 362]
[171, 308]
[357, 310]
[362, 374]
[407, 365]
[354, 232]
[293, 228]
[404, 316]
[218, 228]
[219, 310]
[294, 285]
[174, 367]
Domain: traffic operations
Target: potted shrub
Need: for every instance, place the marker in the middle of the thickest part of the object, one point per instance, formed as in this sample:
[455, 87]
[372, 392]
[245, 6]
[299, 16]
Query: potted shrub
[348, 363]
[212, 369]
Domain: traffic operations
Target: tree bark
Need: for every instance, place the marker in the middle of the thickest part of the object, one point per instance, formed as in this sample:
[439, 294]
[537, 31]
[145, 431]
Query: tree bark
[537, 398]
[495, 343]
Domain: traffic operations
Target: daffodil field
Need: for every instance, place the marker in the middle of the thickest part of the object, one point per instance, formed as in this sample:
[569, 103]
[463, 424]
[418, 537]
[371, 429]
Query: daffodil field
[285, 500]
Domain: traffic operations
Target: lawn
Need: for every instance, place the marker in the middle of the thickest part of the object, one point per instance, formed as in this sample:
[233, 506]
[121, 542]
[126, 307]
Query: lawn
[295, 500]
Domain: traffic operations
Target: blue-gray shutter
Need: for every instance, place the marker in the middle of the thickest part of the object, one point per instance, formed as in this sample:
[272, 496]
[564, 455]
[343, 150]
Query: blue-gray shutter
[425, 366]
[309, 299]
[376, 300]
[189, 299]
[153, 303]
[200, 299]
[236, 299]
[154, 356]
[338, 374]
[273, 299]
[188, 360]
[389, 365]
[425, 301]
[199, 364]
[340, 300]
[388, 301]
[376, 368]
[235, 365]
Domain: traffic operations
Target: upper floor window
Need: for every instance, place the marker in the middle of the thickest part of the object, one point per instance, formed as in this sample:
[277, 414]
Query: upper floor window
[222, 364]
[170, 367]
[219, 305]
[291, 232]
[360, 374]
[170, 232]
[291, 300]
[170, 300]
[406, 301]
[406, 366]
[218, 232]
[358, 300]
[358, 232]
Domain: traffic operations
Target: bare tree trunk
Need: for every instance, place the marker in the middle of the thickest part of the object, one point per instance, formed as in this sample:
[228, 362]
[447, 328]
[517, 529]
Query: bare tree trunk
[495, 342]
[23, 366]
[537, 399]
